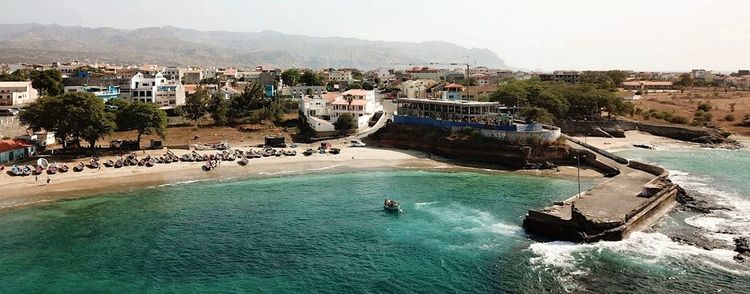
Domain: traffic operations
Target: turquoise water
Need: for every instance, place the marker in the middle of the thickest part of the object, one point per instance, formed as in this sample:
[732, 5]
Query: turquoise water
[459, 232]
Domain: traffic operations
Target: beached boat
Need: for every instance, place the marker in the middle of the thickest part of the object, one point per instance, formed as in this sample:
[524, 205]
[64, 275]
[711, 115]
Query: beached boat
[38, 170]
[15, 171]
[150, 162]
[308, 152]
[64, 168]
[27, 170]
[391, 205]
[109, 163]
[334, 151]
[643, 146]
[79, 167]
[243, 161]
[52, 169]
[119, 163]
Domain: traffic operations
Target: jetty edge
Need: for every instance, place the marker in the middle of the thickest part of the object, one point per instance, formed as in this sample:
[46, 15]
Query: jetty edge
[633, 199]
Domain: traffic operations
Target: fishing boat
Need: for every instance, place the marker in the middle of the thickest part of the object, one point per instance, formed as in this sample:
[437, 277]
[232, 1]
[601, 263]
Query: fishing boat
[150, 162]
[94, 163]
[109, 163]
[38, 170]
[16, 171]
[334, 151]
[79, 167]
[52, 169]
[27, 170]
[118, 163]
[64, 168]
[243, 162]
[391, 205]
[308, 152]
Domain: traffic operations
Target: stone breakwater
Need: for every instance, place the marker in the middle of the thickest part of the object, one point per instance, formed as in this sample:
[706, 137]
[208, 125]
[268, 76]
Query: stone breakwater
[630, 201]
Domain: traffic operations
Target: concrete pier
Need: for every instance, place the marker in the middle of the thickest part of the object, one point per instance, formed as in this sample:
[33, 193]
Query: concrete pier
[629, 201]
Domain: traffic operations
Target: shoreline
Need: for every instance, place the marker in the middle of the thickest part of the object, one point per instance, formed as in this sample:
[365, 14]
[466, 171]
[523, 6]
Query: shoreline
[25, 192]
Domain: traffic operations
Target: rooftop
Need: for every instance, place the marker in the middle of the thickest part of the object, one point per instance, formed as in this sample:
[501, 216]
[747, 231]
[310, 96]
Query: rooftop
[8, 145]
[449, 102]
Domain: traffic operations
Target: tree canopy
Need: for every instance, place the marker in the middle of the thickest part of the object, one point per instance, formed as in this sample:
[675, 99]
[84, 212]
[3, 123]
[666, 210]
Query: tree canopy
[559, 99]
[144, 118]
[196, 104]
[290, 77]
[79, 115]
[310, 78]
[345, 123]
[48, 82]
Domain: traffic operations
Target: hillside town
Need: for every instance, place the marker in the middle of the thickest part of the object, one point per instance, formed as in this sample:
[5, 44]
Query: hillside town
[320, 97]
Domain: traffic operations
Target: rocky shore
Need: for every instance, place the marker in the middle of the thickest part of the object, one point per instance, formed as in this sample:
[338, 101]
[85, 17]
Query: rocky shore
[617, 129]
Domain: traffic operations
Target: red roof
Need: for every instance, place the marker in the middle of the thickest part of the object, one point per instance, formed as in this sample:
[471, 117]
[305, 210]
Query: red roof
[8, 145]
[354, 102]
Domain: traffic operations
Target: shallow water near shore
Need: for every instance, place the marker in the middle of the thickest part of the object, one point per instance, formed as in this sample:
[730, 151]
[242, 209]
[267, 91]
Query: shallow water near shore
[459, 232]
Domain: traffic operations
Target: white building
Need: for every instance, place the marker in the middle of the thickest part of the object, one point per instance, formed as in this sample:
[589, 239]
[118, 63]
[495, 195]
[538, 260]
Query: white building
[157, 89]
[210, 72]
[416, 88]
[322, 111]
[17, 93]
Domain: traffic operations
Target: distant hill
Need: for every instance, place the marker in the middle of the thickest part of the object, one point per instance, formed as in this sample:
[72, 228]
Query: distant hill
[175, 46]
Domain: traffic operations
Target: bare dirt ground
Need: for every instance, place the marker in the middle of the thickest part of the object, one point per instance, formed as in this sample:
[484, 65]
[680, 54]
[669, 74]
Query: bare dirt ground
[686, 103]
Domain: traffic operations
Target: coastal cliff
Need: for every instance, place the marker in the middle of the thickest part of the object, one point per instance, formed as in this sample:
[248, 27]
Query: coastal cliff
[470, 146]
[617, 128]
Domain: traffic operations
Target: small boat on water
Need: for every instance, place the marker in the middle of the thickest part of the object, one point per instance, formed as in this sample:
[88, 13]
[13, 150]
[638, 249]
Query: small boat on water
[64, 168]
[391, 205]
[79, 167]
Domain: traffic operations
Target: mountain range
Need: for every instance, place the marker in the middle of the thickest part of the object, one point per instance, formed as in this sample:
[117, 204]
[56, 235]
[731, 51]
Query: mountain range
[35, 43]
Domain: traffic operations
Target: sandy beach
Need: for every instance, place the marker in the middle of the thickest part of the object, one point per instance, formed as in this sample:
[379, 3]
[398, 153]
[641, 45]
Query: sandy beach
[19, 192]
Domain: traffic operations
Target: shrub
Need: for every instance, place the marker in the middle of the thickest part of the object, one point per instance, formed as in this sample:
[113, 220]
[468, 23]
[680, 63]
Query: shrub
[704, 106]
[729, 117]
[678, 119]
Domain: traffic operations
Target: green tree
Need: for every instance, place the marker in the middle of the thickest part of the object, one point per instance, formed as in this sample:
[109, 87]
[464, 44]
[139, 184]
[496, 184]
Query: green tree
[144, 118]
[16, 76]
[48, 82]
[512, 94]
[310, 78]
[602, 80]
[79, 115]
[685, 80]
[290, 77]
[536, 114]
[367, 86]
[345, 123]
[196, 104]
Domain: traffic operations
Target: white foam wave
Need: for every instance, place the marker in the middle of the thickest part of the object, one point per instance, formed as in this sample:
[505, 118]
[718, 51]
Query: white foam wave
[469, 220]
[180, 183]
[652, 248]
[720, 224]
[420, 204]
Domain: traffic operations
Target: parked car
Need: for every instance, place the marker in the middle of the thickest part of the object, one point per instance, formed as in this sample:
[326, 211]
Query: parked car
[358, 143]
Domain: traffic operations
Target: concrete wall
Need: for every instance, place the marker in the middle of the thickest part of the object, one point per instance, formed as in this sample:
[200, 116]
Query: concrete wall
[543, 135]
[649, 168]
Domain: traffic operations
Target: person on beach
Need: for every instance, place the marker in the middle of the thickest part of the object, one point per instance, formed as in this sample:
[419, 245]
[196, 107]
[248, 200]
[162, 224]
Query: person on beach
[48, 179]
[36, 178]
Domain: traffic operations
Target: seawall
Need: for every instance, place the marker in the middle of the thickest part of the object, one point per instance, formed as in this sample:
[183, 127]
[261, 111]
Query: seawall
[631, 201]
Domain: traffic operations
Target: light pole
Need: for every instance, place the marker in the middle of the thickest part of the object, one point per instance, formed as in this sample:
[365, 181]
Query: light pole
[578, 160]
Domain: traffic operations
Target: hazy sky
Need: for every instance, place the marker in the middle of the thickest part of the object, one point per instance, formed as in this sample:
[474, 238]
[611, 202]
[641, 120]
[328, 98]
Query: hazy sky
[550, 34]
